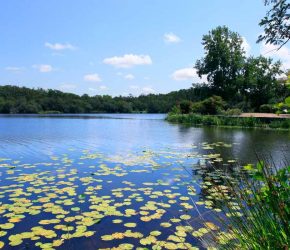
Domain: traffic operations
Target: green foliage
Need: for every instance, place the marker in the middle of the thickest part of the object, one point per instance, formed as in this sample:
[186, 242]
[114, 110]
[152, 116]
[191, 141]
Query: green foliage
[232, 112]
[284, 124]
[262, 198]
[229, 121]
[259, 80]
[251, 81]
[283, 107]
[223, 61]
[185, 107]
[15, 99]
[212, 105]
[267, 108]
[276, 23]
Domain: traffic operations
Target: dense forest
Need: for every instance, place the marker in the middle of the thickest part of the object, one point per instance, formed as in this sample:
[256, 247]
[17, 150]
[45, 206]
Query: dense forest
[20, 100]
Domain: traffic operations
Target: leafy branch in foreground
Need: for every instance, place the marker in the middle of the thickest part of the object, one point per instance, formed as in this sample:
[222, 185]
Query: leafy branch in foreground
[276, 23]
[255, 211]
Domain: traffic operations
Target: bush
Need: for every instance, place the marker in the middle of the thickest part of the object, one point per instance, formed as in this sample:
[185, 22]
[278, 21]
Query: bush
[197, 108]
[185, 107]
[210, 106]
[232, 112]
[267, 108]
[213, 105]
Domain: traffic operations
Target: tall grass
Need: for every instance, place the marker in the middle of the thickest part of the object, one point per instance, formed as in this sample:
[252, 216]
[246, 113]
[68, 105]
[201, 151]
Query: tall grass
[255, 210]
[211, 120]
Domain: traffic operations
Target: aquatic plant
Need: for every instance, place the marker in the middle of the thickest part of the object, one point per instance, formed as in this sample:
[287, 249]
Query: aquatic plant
[228, 121]
[256, 213]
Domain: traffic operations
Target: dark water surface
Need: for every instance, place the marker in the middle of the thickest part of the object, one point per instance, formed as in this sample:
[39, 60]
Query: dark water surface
[83, 178]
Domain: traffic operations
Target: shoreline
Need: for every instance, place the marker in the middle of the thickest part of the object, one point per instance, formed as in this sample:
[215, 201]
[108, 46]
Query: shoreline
[271, 123]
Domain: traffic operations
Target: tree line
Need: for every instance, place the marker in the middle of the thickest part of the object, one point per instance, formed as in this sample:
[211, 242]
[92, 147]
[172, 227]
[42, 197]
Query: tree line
[23, 100]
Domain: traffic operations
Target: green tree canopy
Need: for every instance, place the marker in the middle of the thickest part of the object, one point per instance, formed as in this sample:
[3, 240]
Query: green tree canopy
[260, 80]
[223, 61]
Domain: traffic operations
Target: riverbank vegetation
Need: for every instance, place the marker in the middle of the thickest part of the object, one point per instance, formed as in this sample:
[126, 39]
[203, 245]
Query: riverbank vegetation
[229, 121]
[237, 84]
[255, 209]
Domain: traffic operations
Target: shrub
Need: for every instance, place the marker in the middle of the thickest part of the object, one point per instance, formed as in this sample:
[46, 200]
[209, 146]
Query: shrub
[232, 112]
[213, 105]
[197, 108]
[185, 107]
[267, 108]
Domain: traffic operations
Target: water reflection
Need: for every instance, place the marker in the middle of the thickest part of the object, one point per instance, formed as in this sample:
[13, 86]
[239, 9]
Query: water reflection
[37, 136]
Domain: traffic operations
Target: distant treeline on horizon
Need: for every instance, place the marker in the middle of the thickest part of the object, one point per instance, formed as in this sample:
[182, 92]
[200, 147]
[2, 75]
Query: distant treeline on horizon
[23, 100]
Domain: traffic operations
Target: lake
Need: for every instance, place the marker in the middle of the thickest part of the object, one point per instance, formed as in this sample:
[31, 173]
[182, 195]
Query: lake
[116, 180]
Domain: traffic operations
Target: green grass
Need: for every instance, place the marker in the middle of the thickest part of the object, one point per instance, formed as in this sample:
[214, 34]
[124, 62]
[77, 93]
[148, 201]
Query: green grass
[229, 121]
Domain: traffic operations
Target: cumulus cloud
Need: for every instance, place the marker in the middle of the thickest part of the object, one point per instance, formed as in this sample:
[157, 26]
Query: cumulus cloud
[187, 74]
[171, 38]
[246, 46]
[43, 68]
[59, 46]
[128, 60]
[129, 77]
[92, 78]
[283, 54]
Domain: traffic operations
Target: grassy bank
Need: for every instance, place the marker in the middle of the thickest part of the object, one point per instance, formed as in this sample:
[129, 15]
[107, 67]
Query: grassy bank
[229, 121]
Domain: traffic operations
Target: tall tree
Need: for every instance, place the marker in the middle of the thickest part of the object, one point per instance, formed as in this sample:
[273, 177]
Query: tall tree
[260, 81]
[276, 23]
[223, 61]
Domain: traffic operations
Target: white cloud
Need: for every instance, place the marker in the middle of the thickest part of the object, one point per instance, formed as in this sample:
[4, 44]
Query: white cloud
[171, 38]
[129, 77]
[148, 90]
[128, 61]
[187, 74]
[67, 86]
[134, 87]
[103, 87]
[92, 78]
[283, 54]
[246, 46]
[14, 69]
[59, 46]
[93, 89]
[43, 68]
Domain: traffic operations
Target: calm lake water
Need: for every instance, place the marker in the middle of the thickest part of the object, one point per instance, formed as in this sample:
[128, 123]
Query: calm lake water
[125, 180]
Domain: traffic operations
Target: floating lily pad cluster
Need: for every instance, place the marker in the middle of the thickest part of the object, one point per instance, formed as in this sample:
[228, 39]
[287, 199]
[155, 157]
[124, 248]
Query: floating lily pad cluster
[124, 201]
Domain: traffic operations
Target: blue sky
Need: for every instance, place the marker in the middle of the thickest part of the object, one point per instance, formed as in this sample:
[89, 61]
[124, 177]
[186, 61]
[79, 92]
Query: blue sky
[117, 47]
